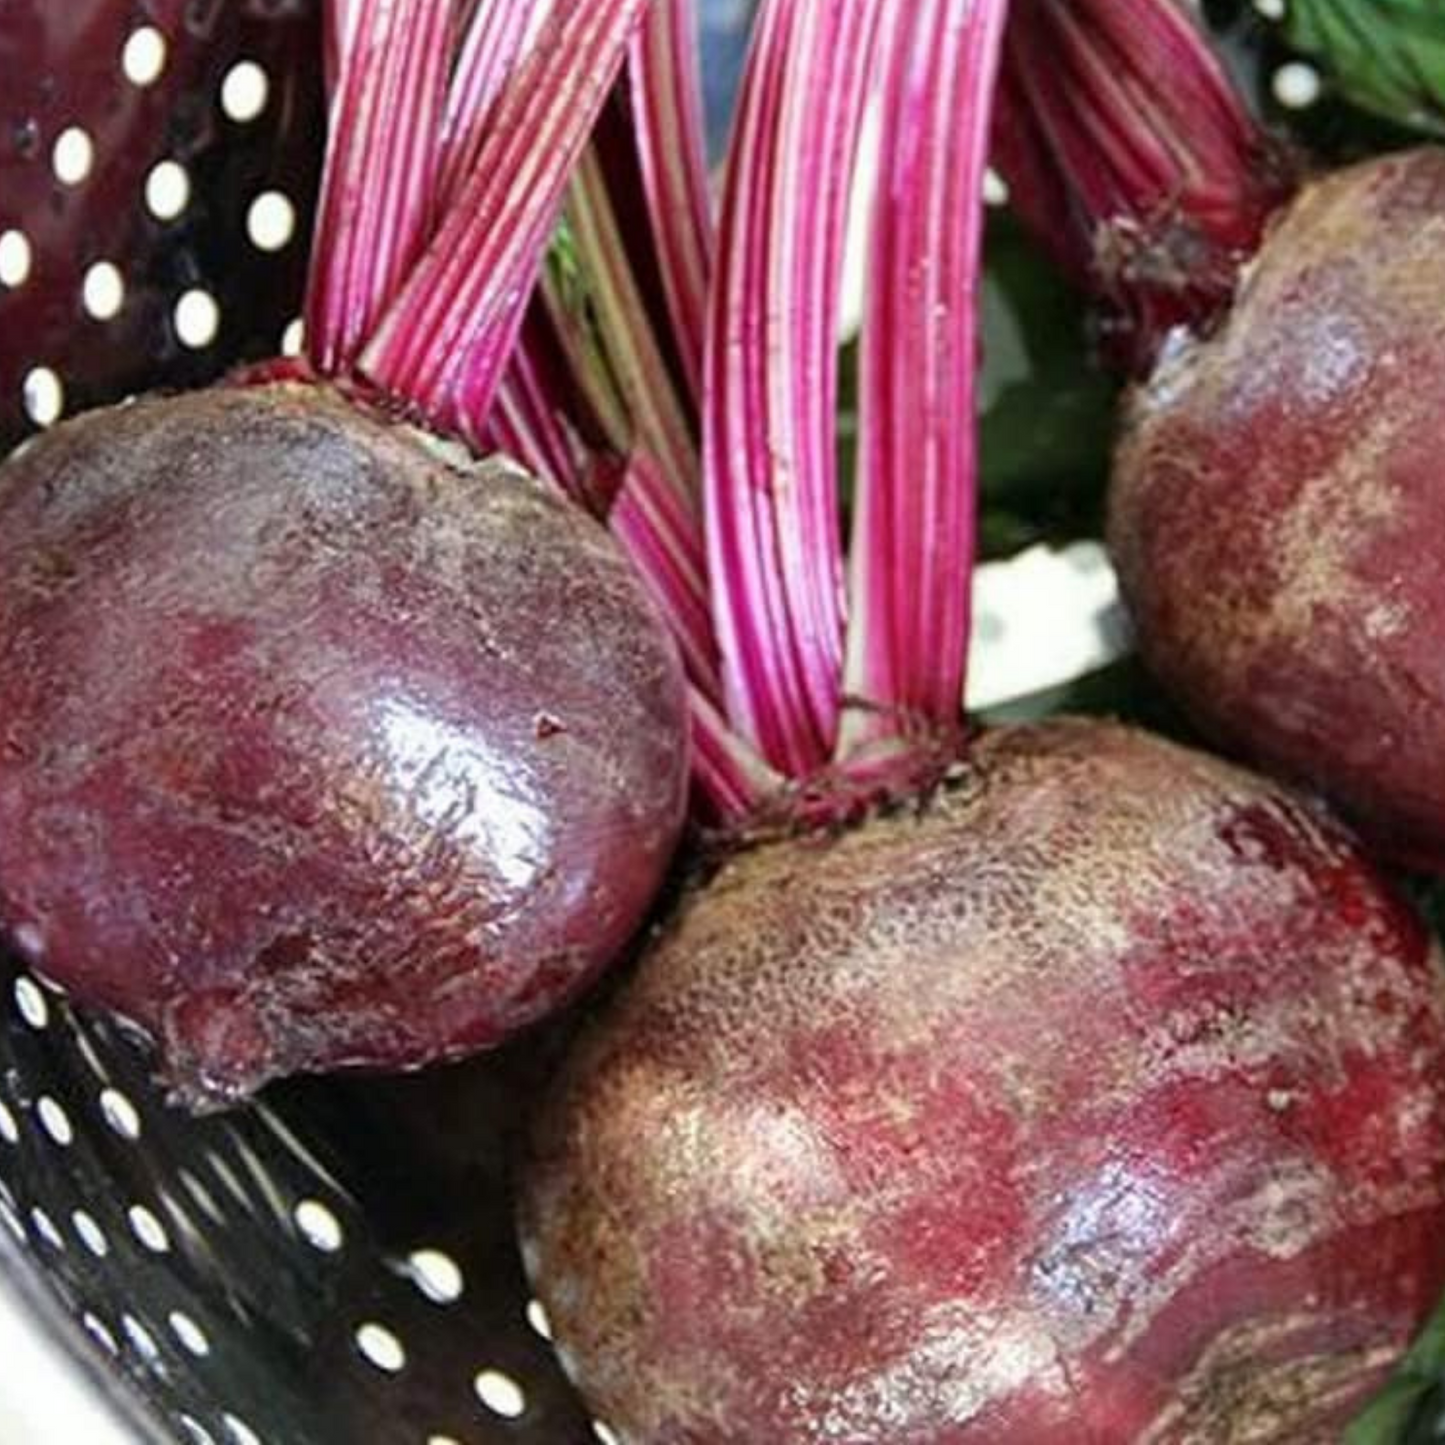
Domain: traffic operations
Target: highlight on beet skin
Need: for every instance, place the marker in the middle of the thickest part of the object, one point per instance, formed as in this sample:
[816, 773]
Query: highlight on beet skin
[1044, 1084]
[328, 743]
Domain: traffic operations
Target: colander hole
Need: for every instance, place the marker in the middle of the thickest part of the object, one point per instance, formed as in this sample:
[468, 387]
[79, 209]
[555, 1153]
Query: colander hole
[73, 156]
[148, 1229]
[1297, 86]
[239, 1431]
[44, 398]
[55, 1121]
[442, 1440]
[29, 998]
[141, 1338]
[437, 1276]
[168, 190]
[1271, 9]
[380, 1347]
[45, 1228]
[143, 59]
[9, 1130]
[197, 319]
[293, 338]
[995, 188]
[198, 1432]
[245, 91]
[189, 1333]
[16, 258]
[118, 1111]
[103, 291]
[100, 1332]
[501, 1394]
[319, 1227]
[271, 221]
[91, 1235]
[605, 1433]
[537, 1318]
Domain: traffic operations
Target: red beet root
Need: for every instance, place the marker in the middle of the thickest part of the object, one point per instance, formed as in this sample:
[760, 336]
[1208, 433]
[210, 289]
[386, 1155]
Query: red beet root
[320, 748]
[1277, 499]
[1100, 1101]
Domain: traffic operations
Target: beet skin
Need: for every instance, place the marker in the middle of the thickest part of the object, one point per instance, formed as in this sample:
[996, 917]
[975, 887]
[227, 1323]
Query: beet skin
[1278, 505]
[321, 745]
[1103, 1100]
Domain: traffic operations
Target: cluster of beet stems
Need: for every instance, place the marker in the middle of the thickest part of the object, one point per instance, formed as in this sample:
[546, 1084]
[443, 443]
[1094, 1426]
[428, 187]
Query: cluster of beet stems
[680, 378]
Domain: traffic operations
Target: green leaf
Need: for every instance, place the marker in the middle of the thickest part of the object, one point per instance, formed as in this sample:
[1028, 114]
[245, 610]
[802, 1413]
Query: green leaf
[1047, 408]
[1387, 1419]
[1385, 56]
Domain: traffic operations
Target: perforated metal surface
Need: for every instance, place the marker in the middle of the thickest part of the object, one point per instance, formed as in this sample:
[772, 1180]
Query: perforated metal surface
[145, 149]
[333, 1265]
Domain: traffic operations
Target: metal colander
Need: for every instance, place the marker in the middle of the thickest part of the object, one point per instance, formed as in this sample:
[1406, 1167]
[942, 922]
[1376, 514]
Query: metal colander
[337, 1263]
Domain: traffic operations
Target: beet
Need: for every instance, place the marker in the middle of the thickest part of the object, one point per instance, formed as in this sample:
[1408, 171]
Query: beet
[1097, 1099]
[322, 745]
[1277, 497]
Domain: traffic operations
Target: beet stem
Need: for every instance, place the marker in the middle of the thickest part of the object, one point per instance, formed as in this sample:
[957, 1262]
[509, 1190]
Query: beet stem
[728, 773]
[772, 376]
[535, 415]
[914, 521]
[446, 341]
[661, 535]
[378, 191]
[665, 93]
[488, 54]
[1131, 155]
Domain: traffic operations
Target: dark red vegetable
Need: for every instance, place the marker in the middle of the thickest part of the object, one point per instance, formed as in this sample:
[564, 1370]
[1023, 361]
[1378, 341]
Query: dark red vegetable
[1277, 498]
[322, 745]
[1099, 1099]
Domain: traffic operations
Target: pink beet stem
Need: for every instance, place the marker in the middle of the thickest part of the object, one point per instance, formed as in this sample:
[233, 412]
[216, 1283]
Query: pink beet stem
[1130, 154]
[341, 17]
[538, 416]
[913, 536]
[378, 193]
[665, 91]
[661, 534]
[771, 376]
[488, 54]
[446, 340]
[731, 779]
